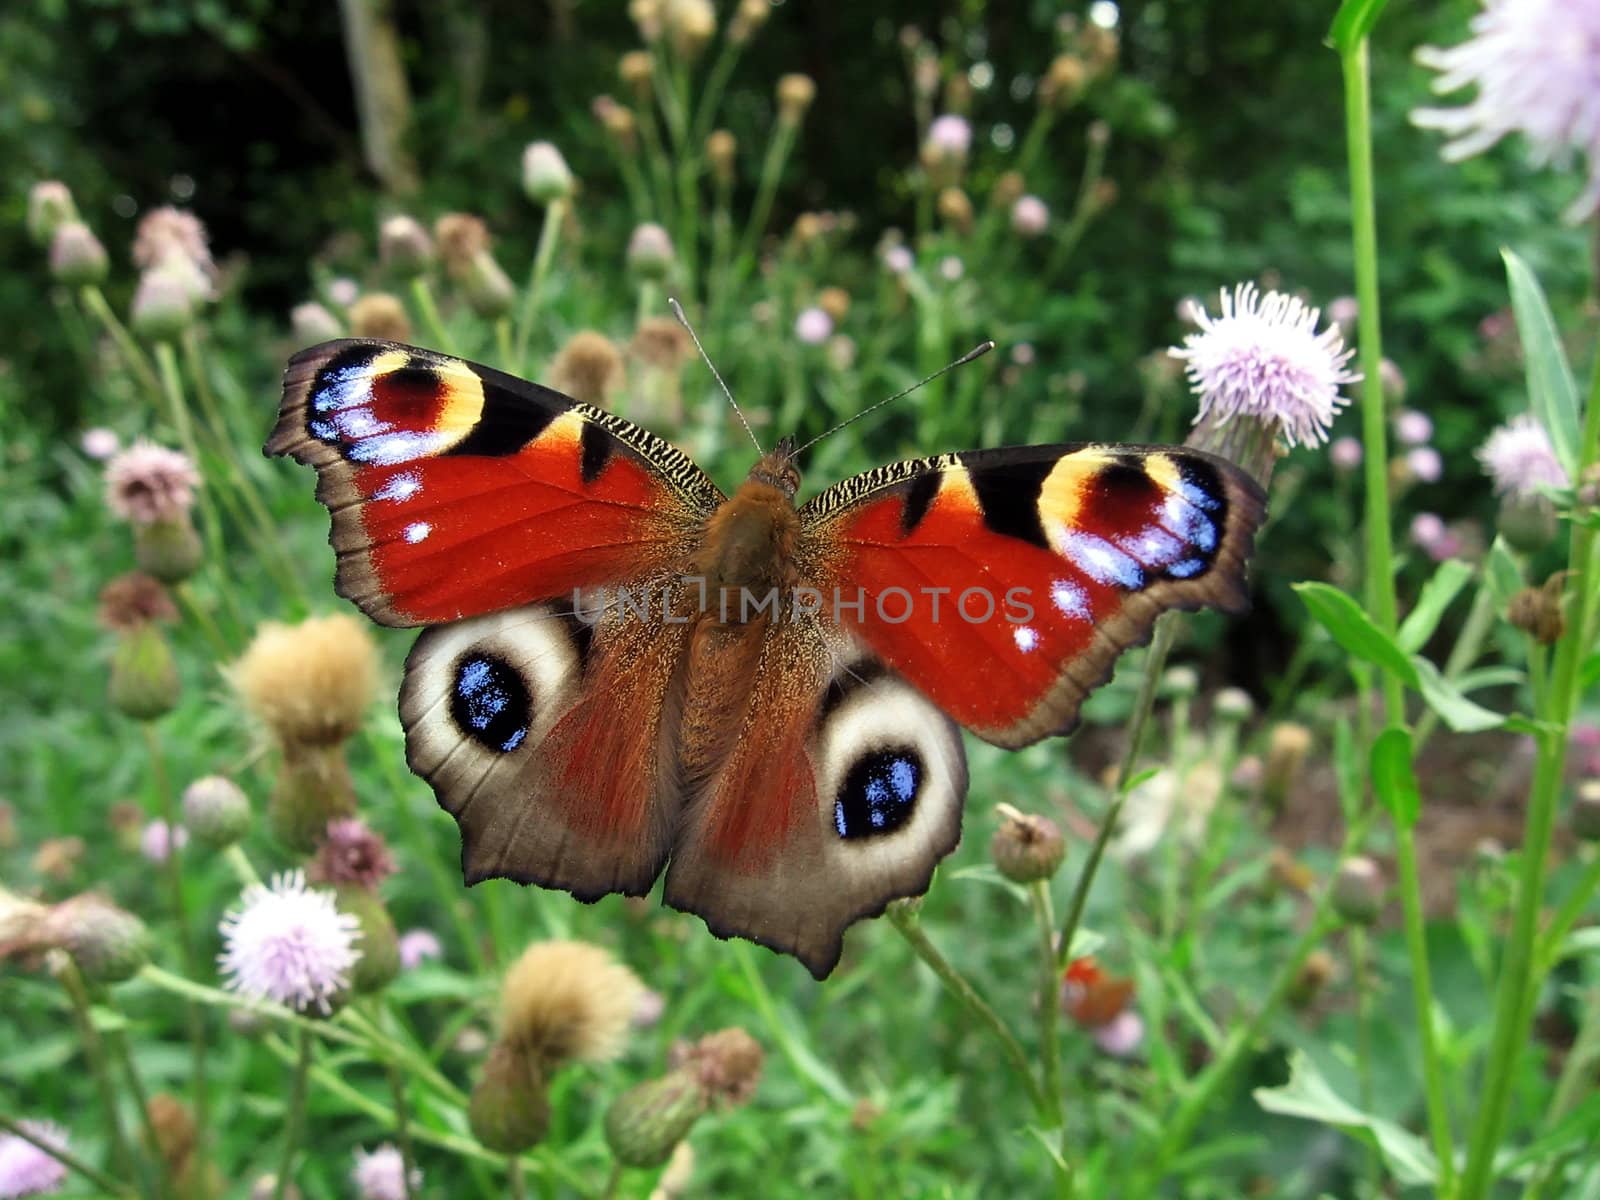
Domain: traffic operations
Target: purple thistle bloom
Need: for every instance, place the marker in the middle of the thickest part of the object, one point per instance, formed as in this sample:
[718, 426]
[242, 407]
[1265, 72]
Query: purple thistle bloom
[950, 136]
[417, 946]
[289, 944]
[1425, 464]
[381, 1175]
[1536, 64]
[1263, 358]
[1433, 537]
[899, 260]
[1346, 453]
[159, 840]
[26, 1170]
[1412, 427]
[1520, 459]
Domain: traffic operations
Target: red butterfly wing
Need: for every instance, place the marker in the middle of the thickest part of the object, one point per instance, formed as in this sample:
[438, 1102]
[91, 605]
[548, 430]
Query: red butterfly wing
[1004, 583]
[458, 490]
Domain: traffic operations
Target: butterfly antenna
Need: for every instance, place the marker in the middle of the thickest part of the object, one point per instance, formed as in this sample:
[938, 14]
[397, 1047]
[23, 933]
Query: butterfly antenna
[977, 351]
[677, 311]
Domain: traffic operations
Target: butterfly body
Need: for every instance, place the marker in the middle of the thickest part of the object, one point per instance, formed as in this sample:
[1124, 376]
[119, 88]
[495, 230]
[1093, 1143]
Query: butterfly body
[626, 672]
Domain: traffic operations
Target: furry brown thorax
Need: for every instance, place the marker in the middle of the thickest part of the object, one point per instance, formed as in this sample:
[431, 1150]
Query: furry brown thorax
[750, 539]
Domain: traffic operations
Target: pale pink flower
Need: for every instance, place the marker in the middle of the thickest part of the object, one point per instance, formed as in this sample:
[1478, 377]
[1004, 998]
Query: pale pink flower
[1029, 216]
[344, 291]
[1433, 537]
[289, 944]
[1344, 312]
[351, 852]
[1520, 459]
[950, 137]
[148, 483]
[381, 1174]
[1121, 1036]
[1425, 464]
[159, 840]
[1263, 358]
[100, 443]
[1412, 427]
[899, 260]
[951, 268]
[417, 946]
[1345, 453]
[163, 231]
[26, 1170]
[1536, 66]
[813, 326]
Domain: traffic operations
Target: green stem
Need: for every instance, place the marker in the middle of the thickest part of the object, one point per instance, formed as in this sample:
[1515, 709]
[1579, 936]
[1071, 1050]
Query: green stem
[1044, 918]
[296, 1116]
[766, 191]
[1520, 969]
[66, 1158]
[422, 295]
[905, 920]
[1567, 915]
[1382, 603]
[555, 216]
[402, 1128]
[94, 1051]
[173, 866]
[178, 413]
[1155, 660]
[95, 301]
[217, 998]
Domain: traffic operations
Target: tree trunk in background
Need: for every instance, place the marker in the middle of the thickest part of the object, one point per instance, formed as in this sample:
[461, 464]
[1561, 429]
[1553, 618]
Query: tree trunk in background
[383, 102]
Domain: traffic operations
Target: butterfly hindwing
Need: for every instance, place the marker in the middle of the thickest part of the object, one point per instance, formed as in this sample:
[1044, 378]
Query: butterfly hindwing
[1003, 584]
[457, 490]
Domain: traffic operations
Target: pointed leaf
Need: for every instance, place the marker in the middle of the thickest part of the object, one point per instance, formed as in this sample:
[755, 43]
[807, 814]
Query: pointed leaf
[1551, 388]
[1502, 574]
[1309, 1095]
[1459, 713]
[1350, 626]
[1446, 583]
[1393, 779]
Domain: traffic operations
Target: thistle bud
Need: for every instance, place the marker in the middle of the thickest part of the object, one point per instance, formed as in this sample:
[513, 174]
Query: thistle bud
[168, 549]
[1392, 380]
[749, 17]
[636, 69]
[834, 301]
[1027, 847]
[1585, 815]
[144, 676]
[509, 1110]
[619, 123]
[1528, 521]
[461, 238]
[380, 315]
[646, 1122]
[795, 94]
[1358, 890]
[50, 207]
[108, 944]
[163, 304]
[955, 209]
[1537, 612]
[76, 255]
[1063, 83]
[59, 858]
[1180, 683]
[727, 1065]
[545, 175]
[173, 1127]
[588, 368]
[720, 151]
[488, 289]
[1313, 978]
[1233, 704]
[380, 944]
[313, 323]
[404, 246]
[313, 788]
[650, 253]
[1287, 748]
[215, 811]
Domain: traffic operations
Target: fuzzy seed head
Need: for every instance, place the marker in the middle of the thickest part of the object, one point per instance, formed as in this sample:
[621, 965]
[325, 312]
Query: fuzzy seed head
[148, 483]
[310, 683]
[133, 601]
[588, 368]
[795, 94]
[661, 343]
[312, 323]
[380, 315]
[461, 238]
[568, 1001]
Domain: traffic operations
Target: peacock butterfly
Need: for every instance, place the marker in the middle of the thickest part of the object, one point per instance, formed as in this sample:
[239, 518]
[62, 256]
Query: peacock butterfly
[625, 670]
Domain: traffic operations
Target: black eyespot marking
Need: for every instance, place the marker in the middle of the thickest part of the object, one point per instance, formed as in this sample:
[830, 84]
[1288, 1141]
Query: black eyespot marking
[919, 496]
[490, 703]
[879, 794]
[596, 444]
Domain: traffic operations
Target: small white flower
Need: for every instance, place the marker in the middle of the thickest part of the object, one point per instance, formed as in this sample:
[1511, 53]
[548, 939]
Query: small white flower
[1425, 464]
[381, 1175]
[1029, 216]
[289, 944]
[813, 326]
[1263, 358]
[899, 260]
[1346, 453]
[100, 443]
[950, 137]
[1536, 64]
[1520, 459]
[951, 268]
[1412, 427]
[1121, 1036]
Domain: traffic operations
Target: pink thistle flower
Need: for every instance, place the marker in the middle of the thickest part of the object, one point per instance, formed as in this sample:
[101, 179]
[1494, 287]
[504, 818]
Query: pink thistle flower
[813, 326]
[417, 946]
[1433, 537]
[26, 1170]
[381, 1174]
[1425, 464]
[1345, 453]
[950, 135]
[163, 231]
[899, 260]
[1536, 65]
[1412, 427]
[100, 443]
[1121, 1036]
[1520, 459]
[147, 483]
[344, 291]
[1344, 312]
[289, 944]
[159, 840]
[1263, 358]
[351, 852]
[1029, 216]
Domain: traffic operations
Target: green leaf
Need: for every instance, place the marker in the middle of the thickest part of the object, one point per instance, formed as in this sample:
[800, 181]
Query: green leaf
[1502, 574]
[1437, 593]
[1310, 1096]
[1459, 713]
[1392, 777]
[1353, 22]
[1482, 677]
[1342, 617]
[1551, 388]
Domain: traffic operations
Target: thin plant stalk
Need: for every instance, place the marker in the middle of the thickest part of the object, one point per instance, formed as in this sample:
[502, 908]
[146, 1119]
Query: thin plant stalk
[99, 1068]
[1049, 1044]
[295, 1120]
[1520, 967]
[180, 910]
[766, 191]
[555, 216]
[1382, 603]
[422, 296]
[402, 1127]
[95, 301]
[67, 1159]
